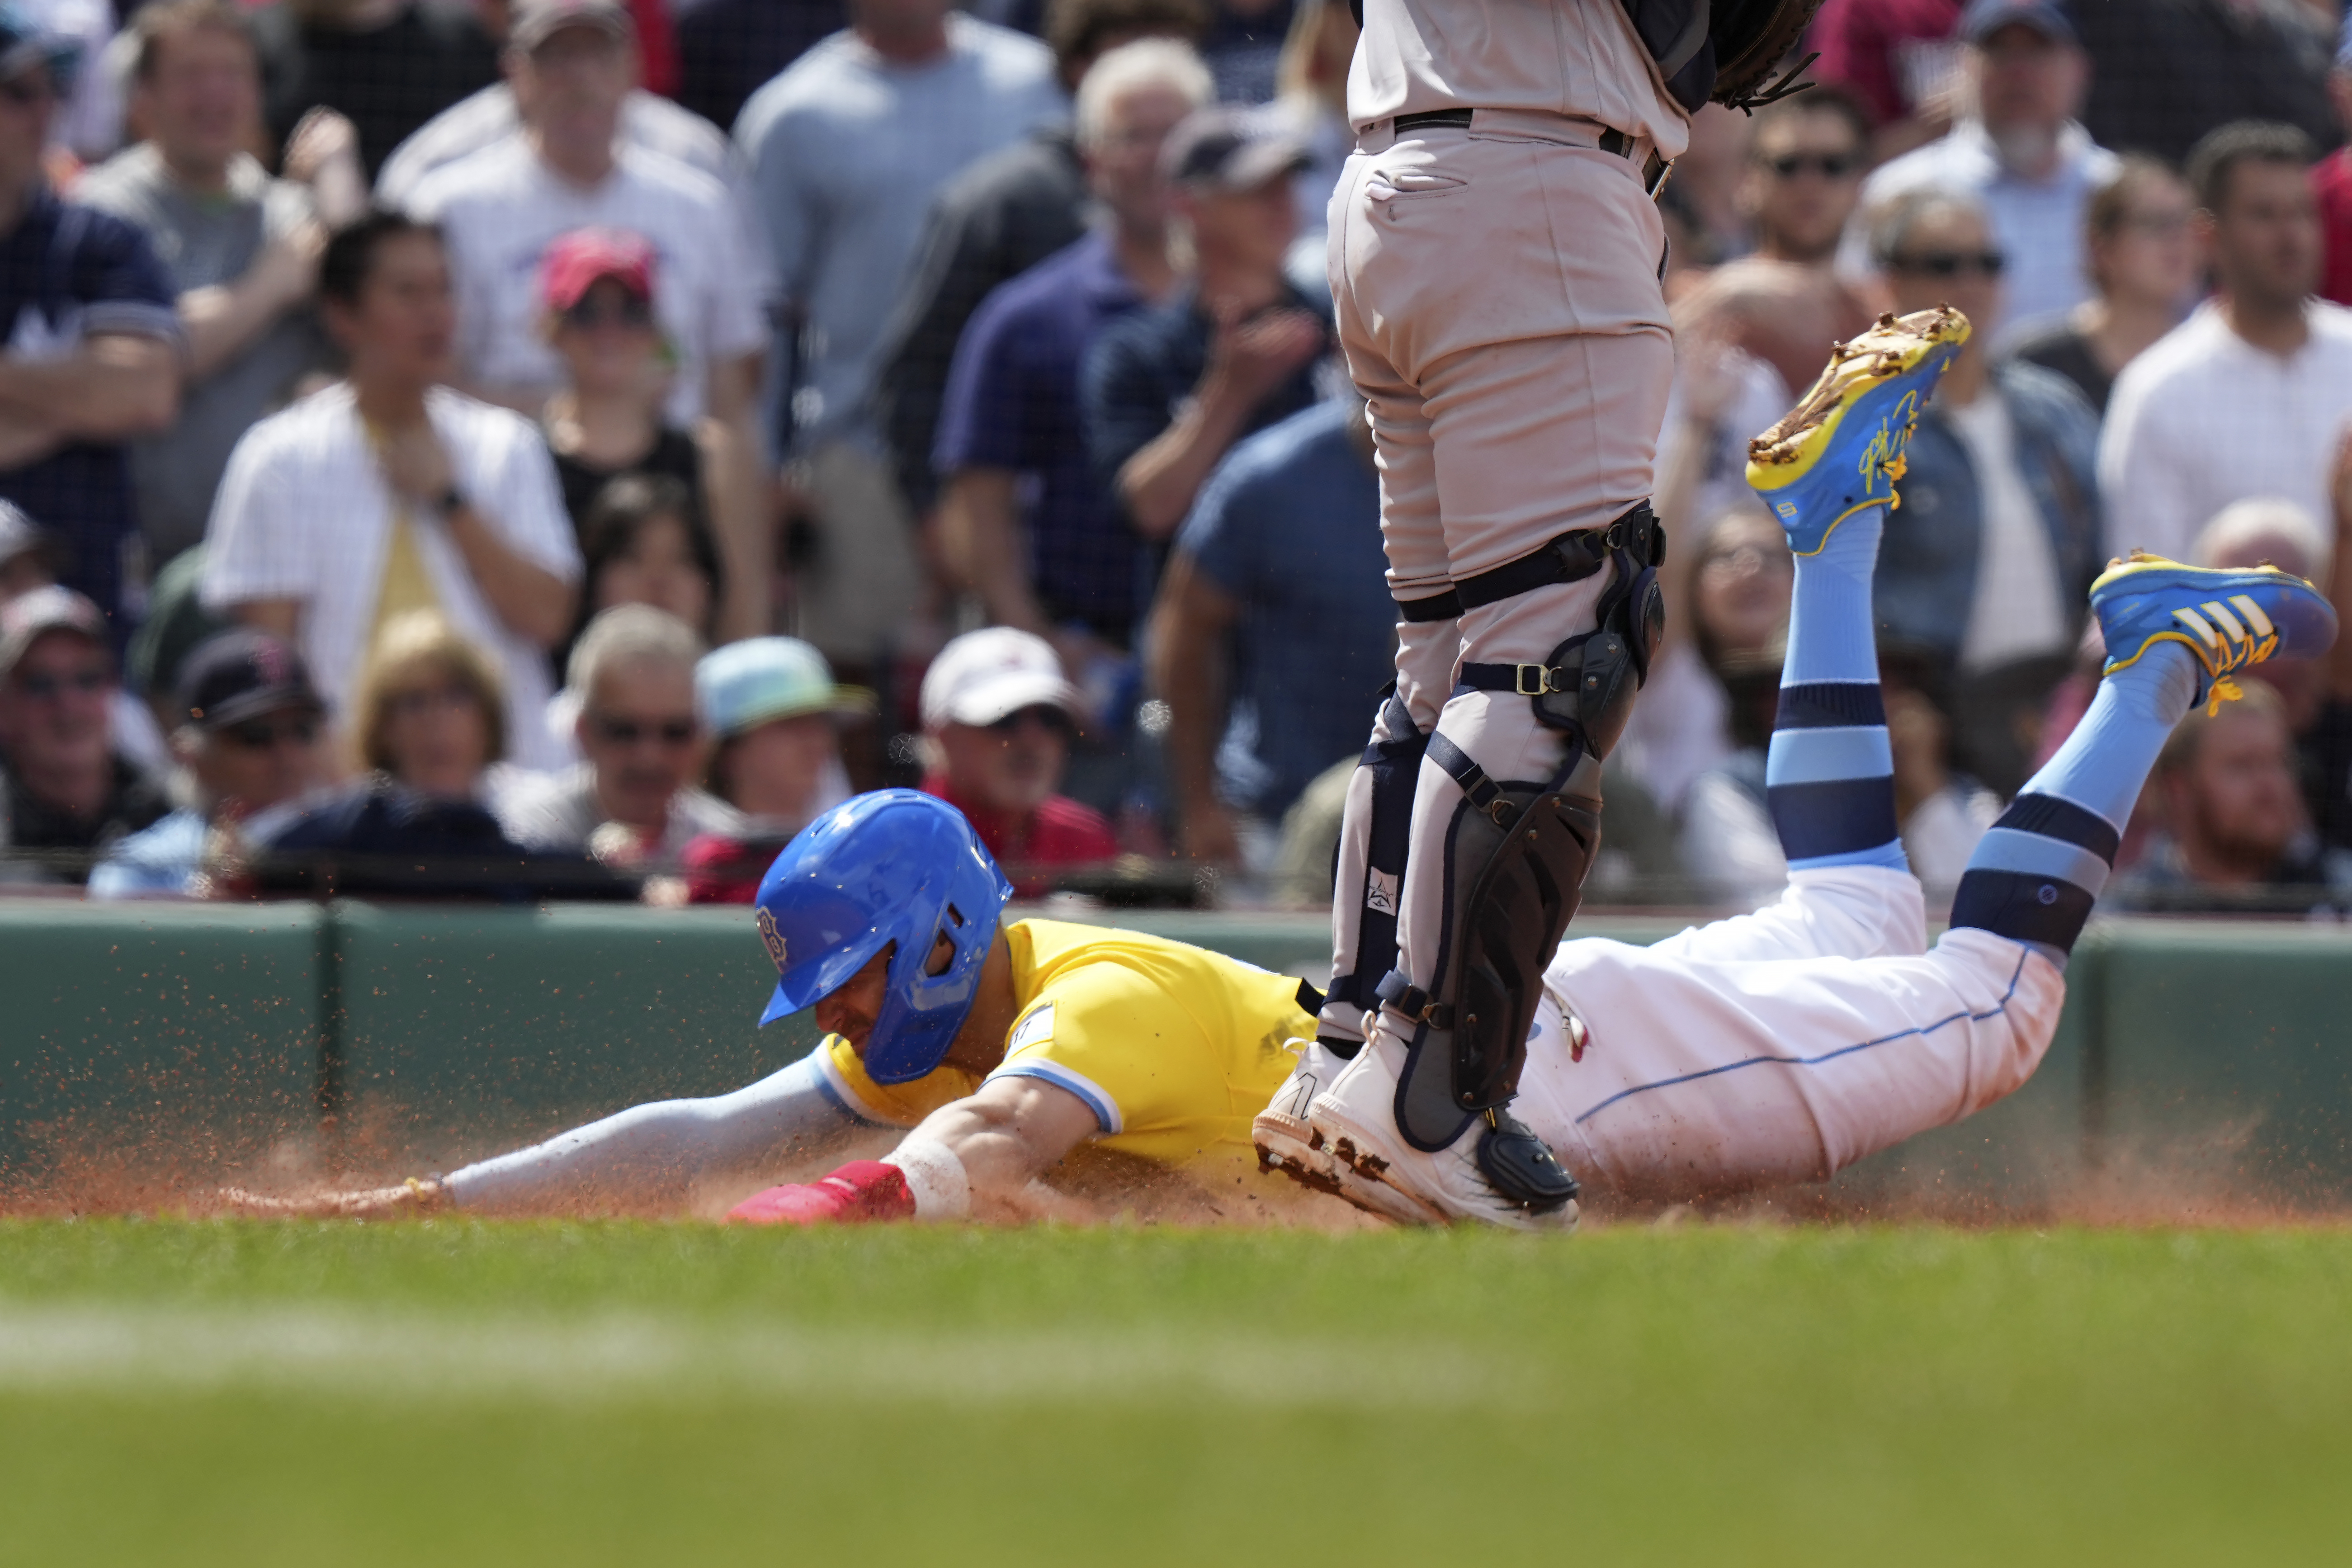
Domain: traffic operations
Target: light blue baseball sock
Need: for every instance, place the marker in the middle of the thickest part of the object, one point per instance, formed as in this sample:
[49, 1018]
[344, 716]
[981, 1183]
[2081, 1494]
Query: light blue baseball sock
[2036, 873]
[1829, 774]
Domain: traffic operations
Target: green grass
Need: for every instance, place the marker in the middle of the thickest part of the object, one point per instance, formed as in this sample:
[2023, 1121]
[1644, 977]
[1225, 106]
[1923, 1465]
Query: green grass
[579, 1394]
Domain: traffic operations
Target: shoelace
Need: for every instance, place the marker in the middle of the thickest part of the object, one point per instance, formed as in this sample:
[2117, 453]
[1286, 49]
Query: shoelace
[2227, 642]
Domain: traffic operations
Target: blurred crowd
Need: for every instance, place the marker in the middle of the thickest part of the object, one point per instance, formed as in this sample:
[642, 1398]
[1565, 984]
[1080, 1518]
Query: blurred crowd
[559, 447]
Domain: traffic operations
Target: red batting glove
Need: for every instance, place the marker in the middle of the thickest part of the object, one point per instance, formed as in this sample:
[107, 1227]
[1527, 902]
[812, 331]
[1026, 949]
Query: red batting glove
[860, 1191]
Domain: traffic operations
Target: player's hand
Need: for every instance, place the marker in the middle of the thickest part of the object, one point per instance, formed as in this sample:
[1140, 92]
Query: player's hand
[413, 1197]
[1253, 356]
[860, 1191]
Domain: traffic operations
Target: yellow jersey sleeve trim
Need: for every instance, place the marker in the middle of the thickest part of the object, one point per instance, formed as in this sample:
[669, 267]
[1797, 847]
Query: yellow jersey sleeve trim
[1097, 1099]
[845, 1090]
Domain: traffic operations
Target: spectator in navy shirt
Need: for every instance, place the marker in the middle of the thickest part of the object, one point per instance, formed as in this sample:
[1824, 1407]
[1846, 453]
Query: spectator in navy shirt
[1166, 391]
[94, 348]
[1274, 628]
[1025, 524]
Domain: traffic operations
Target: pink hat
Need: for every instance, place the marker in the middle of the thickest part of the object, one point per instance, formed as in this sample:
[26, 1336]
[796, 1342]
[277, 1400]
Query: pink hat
[576, 260]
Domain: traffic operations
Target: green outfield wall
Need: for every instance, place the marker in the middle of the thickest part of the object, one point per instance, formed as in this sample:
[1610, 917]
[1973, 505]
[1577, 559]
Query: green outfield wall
[214, 1040]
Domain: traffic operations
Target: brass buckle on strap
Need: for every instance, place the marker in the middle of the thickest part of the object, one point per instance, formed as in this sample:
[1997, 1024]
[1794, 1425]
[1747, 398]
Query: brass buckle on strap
[1543, 685]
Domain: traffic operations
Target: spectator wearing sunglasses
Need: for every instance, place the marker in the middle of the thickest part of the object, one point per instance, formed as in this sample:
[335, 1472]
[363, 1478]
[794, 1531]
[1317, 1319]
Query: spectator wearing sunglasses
[631, 802]
[2143, 260]
[2019, 148]
[2249, 396]
[610, 421]
[65, 791]
[246, 740]
[1993, 546]
[998, 715]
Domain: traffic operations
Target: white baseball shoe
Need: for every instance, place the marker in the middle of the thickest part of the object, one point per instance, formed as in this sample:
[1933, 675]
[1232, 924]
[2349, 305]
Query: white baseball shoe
[1345, 1141]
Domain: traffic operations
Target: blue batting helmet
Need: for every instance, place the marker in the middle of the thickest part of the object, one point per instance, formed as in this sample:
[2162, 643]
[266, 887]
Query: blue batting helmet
[893, 866]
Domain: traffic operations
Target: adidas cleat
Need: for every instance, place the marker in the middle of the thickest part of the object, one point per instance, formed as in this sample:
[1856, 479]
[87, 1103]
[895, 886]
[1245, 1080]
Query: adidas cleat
[1840, 449]
[2230, 619]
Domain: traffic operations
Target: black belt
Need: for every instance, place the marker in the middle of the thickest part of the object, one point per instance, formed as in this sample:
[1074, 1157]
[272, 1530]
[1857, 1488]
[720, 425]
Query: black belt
[1614, 143]
[1568, 558]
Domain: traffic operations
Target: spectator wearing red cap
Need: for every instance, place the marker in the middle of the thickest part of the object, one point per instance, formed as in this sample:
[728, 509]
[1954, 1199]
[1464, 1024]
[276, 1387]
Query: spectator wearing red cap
[610, 421]
[65, 790]
[571, 64]
[997, 717]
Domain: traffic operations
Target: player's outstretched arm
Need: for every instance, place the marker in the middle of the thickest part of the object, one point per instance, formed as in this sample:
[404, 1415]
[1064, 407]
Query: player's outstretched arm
[980, 1158]
[646, 1156]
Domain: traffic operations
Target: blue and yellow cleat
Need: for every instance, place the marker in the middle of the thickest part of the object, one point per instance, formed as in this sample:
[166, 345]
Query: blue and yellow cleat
[2228, 619]
[1840, 449]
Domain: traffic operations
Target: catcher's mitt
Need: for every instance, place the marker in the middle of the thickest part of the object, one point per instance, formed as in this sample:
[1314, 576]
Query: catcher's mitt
[1751, 37]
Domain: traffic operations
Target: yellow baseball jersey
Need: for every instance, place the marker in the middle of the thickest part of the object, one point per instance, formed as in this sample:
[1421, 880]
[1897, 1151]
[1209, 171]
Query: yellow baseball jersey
[1174, 1048]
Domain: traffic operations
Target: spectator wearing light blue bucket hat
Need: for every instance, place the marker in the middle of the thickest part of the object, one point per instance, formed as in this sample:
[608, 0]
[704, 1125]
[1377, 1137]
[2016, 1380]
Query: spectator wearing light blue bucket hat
[777, 714]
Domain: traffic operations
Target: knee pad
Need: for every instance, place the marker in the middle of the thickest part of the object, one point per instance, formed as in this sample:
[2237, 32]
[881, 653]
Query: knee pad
[1516, 855]
[1395, 766]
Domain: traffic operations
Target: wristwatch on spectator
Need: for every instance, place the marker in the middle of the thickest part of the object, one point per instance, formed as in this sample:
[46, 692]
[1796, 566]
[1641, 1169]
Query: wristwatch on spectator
[447, 502]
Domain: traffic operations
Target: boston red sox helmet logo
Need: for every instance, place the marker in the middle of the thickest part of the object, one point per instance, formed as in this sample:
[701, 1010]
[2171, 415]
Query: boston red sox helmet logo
[774, 938]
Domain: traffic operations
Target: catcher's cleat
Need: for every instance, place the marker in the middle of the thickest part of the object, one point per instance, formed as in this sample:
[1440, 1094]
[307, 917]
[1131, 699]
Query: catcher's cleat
[1345, 1142]
[2228, 619]
[1840, 449]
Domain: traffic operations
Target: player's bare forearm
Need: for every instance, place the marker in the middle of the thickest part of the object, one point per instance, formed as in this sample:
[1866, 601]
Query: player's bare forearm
[1007, 1134]
[115, 384]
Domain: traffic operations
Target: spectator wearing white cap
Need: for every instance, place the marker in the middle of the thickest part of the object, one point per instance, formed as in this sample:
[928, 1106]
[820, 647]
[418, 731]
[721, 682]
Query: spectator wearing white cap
[777, 714]
[997, 719]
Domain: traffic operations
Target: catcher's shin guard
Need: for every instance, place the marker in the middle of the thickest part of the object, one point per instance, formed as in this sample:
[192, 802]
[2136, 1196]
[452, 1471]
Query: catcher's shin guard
[1516, 855]
[1368, 877]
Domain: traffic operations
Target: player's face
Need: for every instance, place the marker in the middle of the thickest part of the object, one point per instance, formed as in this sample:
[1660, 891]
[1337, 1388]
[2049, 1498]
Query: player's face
[54, 704]
[2242, 796]
[1803, 177]
[1123, 168]
[264, 760]
[857, 1002]
[1010, 765]
[2266, 240]
[639, 731]
[203, 99]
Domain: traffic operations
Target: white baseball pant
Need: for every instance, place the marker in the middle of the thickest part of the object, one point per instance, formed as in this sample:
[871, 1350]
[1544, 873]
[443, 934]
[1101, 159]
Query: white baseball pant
[1781, 1046]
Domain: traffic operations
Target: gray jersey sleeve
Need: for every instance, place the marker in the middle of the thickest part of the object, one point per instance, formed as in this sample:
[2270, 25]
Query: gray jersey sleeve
[653, 1154]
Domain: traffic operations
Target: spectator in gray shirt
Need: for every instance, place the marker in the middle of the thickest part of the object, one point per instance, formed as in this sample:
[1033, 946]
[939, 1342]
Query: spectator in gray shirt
[847, 147]
[240, 249]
